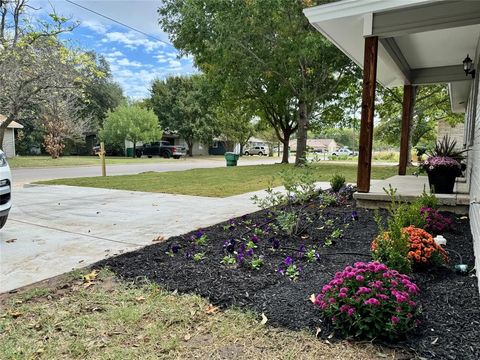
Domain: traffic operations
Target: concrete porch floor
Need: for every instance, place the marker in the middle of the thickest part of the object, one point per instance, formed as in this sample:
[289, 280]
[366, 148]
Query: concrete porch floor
[409, 188]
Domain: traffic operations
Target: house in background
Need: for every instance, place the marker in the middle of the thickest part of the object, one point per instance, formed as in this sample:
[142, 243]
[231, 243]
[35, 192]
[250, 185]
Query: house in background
[8, 145]
[316, 145]
[412, 43]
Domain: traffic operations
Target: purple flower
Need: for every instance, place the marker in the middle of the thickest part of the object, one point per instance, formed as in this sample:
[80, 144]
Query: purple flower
[372, 301]
[199, 234]
[229, 245]
[254, 239]
[288, 261]
[250, 252]
[359, 278]
[350, 311]
[394, 320]
[175, 248]
[354, 215]
[276, 244]
[363, 290]
[240, 258]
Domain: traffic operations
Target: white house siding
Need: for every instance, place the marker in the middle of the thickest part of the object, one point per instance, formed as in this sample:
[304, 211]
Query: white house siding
[473, 143]
[8, 145]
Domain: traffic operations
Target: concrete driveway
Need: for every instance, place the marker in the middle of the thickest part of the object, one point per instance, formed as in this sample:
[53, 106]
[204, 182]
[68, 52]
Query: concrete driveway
[54, 229]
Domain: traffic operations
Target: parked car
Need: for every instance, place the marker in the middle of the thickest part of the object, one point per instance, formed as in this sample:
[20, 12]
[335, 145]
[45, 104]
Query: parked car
[257, 150]
[344, 151]
[161, 148]
[5, 189]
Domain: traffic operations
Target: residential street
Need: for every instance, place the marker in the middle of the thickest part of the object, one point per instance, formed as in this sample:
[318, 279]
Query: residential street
[22, 176]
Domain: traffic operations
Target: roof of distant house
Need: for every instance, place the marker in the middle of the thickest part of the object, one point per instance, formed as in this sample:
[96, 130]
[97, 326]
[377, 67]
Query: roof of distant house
[314, 143]
[12, 125]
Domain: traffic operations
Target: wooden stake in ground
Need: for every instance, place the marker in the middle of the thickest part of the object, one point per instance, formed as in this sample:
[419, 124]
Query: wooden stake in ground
[101, 154]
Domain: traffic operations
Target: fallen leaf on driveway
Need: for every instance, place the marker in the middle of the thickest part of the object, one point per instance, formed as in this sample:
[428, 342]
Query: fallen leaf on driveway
[312, 298]
[264, 319]
[11, 241]
[159, 238]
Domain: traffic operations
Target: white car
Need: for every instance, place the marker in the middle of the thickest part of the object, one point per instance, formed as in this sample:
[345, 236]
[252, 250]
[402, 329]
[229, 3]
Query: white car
[257, 150]
[5, 189]
[343, 151]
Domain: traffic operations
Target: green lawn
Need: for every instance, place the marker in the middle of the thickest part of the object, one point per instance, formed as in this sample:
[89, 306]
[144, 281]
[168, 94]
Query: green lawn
[47, 161]
[217, 182]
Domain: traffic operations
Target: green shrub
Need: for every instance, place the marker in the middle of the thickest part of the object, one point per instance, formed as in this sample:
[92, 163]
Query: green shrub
[337, 182]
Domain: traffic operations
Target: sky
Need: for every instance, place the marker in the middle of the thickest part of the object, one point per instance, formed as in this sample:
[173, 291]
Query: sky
[135, 59]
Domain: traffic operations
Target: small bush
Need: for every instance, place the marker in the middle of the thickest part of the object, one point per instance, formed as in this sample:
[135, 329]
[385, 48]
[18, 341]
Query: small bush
[423, 251]
[369, 300]
[337, 182]
[392, 250]
[436, 223]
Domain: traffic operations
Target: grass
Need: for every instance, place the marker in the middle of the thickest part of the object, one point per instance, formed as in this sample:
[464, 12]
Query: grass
[47, 161]
[111, 319]
[217, 182]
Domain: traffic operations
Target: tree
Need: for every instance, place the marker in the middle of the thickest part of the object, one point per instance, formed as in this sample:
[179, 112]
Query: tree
[234, 124]
[33, 62]
[61, 120]
[432, 104]
[101, 93]
[184, 104]
[132, 123]
[263, 51]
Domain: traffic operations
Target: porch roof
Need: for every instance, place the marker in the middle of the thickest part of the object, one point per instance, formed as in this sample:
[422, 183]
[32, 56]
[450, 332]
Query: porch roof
[420, 41]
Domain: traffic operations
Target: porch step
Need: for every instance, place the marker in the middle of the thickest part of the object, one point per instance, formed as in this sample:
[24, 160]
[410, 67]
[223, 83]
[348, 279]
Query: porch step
[409, 188]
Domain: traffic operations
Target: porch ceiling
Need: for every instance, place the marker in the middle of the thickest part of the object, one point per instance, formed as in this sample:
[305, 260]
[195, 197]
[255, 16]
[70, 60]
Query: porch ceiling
[421, 41]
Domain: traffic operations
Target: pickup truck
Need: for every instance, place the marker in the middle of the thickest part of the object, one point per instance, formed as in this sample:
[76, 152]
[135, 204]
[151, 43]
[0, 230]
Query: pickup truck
[161, 148]
[344, 151]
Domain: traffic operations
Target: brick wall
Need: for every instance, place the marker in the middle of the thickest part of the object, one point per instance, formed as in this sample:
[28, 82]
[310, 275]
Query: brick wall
[455, 132]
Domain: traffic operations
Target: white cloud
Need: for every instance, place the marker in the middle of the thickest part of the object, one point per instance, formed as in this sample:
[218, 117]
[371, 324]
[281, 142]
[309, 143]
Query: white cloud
[132, 40]
[126, 62]
[95, 26]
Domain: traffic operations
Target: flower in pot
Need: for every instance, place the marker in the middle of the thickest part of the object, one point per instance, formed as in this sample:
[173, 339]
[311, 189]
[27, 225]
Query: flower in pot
[442, 171]
[443, 165]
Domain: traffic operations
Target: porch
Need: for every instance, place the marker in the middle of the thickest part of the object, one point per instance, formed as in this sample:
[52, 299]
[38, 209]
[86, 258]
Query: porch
[409, 188]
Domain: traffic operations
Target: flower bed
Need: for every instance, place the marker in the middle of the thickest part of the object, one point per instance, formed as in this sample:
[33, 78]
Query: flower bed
[450, 302]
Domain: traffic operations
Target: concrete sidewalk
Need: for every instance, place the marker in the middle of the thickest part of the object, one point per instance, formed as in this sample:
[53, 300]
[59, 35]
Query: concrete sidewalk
[54, 229]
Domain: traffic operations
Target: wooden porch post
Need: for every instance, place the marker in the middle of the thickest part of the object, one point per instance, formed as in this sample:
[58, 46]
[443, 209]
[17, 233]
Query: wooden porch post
[368, 109]
[407, 114]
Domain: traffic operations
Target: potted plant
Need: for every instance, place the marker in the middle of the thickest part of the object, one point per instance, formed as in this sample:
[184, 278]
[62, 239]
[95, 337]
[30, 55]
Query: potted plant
[443, 165]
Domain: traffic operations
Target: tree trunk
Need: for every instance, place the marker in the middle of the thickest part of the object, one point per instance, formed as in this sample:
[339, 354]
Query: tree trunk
[134, 150]
[190, 147]
[285, 141]
[301, 158]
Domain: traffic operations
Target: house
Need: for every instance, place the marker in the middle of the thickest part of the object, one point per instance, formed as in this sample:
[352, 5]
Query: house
[8, 145]
[409, 43]
[317, 145]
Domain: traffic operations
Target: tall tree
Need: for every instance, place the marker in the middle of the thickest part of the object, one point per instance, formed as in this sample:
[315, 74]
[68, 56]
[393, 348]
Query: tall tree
[132, 123]
[33, 63]
[432, 105]
[101, 93]
[183, 104]
[265, 51]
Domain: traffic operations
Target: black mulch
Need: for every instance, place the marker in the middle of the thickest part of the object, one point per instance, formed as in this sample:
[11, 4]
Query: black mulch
[450, 326]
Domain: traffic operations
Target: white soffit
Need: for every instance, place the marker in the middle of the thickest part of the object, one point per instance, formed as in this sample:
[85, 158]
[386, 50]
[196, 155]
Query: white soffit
[440, 47]
[459, 92]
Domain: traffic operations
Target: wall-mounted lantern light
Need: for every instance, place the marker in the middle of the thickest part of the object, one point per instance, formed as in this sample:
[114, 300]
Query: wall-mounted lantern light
[468, 67]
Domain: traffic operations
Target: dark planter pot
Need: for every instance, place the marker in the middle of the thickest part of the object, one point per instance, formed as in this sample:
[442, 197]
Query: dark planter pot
[442, 181]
